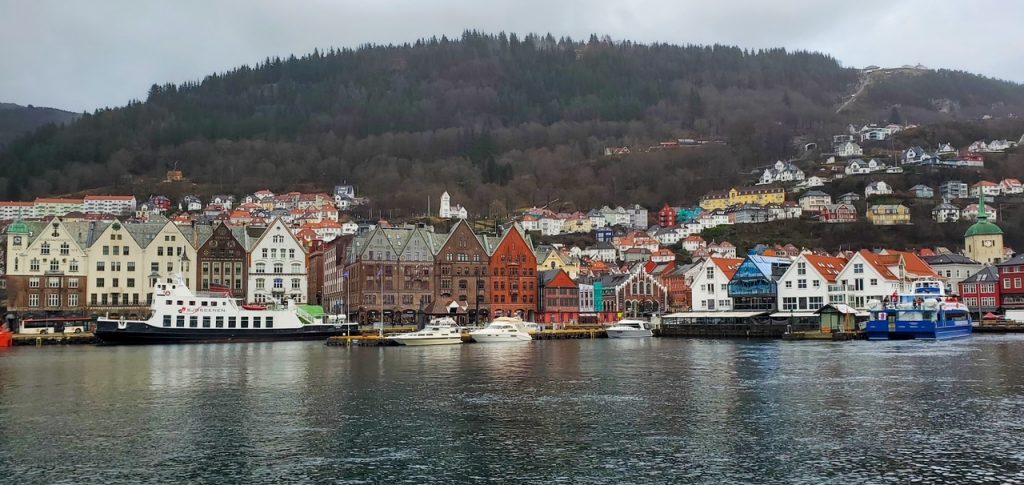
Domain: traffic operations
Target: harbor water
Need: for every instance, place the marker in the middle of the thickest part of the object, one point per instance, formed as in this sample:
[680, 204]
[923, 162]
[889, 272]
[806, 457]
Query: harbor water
[607, 411]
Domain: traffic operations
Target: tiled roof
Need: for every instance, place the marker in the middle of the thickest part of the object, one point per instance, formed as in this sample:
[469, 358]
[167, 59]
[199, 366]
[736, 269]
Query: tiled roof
[728, 265]
[827, 266]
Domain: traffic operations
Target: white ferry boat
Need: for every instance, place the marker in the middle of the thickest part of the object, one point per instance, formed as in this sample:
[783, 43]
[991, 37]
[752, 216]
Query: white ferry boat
[629, 328]
[180, 316]
[440, 331]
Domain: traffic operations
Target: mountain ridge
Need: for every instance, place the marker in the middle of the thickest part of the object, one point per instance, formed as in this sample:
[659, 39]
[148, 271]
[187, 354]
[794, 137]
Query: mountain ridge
[497, 120]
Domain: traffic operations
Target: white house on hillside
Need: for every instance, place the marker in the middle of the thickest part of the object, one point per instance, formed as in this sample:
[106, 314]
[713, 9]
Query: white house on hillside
[877, 188]
[781, 172]
[849, 149]
[449, 211]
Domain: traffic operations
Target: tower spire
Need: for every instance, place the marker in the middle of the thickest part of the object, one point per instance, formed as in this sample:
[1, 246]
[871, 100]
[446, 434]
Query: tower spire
[982, 213]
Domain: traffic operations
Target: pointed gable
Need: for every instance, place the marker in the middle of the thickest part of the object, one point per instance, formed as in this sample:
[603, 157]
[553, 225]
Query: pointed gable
[461, 240]
[728, 266]
[826, 266]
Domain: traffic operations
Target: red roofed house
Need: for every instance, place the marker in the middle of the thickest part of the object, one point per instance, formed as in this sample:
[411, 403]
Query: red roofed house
[805, 284]
[873, 276]
[710, 289]
[667, 216]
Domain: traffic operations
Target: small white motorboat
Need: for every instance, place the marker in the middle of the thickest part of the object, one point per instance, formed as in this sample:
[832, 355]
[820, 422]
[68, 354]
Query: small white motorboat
[502, 329]
[440, 331]
[629, 329]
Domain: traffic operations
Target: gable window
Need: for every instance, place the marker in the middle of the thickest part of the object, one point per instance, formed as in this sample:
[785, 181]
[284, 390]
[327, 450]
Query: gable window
[33, 265]
[858, 268]
[65, 249]
[44, 249]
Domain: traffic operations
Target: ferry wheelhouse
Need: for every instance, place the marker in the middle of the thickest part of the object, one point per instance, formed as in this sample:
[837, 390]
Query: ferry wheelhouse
[181, 316]
[924, 313]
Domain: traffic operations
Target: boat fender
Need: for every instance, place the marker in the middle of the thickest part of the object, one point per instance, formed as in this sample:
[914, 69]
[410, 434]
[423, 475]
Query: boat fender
[121, 324]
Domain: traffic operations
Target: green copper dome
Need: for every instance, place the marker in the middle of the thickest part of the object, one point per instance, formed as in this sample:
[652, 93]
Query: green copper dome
[18, 227]
[983, 228]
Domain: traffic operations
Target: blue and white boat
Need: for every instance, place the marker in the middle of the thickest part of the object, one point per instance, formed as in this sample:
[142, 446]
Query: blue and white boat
[924, 313]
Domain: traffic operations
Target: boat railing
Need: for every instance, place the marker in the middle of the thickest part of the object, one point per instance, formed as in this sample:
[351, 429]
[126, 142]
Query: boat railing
[305, 316]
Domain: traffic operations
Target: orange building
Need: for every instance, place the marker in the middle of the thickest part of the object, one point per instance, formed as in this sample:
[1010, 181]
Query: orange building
[514, 275]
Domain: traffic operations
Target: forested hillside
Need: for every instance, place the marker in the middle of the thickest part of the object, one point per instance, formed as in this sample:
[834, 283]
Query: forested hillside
[16, 119]
[499, 121]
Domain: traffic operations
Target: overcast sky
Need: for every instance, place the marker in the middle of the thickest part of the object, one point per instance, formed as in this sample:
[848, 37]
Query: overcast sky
[81, 55]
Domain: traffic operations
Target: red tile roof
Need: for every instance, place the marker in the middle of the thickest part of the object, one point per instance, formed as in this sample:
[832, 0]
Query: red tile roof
[827, 266]
[728, 265]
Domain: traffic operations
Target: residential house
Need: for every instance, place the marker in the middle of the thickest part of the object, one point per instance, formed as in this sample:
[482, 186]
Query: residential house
[604, 234]
[754, 286]
[985, 188]
[888, 214]
[858, 166]
[747, 214]
[1011, 186]
[724, 249]
[58, 207]
[953, 189]
[849, 149]
[552, 258]
[945, 212]
[710, 287]
[602, 251]
[667, 216]
[922, 191]
[848, 198]
[668, 236]
[804, 286]
[873, 276]
[781, 172]
[636, 255]
[814, 200]
[637, 216]
[838, 213]
[877, 188]
[450, 211]
[945, 149]
[954, 268]
[190, 203]
[558, 298]
[970, 213]
[917, 155]
[981, 292]
[694, 242]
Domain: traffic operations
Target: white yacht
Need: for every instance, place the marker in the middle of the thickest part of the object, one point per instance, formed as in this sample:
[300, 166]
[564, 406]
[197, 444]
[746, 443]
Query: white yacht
[629, 329]
[502, 329]
[440, 331]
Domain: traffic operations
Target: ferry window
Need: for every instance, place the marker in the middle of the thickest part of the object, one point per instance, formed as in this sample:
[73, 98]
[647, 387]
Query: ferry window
[180, 321]
[213, 303]
[180, 302]
[203, 303]
[270, 322]
[231, 322]
[167, 302]
[245, 322]
[193, 321]
[219, 322]
[206, 322]
[167, 320]
[255, 322]
[191, 303]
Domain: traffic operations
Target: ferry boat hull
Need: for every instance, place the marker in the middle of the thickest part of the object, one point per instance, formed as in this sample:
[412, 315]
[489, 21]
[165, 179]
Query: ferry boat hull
[141, 333]
[906, 330]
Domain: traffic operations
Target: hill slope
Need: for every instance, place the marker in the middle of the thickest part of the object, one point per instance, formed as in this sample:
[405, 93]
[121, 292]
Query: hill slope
[16, 120]
[499, 121]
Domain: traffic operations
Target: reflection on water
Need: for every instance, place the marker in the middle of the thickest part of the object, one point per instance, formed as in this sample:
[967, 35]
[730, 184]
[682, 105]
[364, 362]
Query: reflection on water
[643, 410]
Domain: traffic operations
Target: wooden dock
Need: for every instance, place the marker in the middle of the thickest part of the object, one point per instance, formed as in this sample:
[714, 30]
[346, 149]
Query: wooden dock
[817, 335]
[375, 341]
[1000, 327]
[84, 338]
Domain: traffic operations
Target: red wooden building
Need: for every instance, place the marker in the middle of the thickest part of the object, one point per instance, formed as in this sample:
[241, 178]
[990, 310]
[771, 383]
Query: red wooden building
[513, 277]
[559, 301]
[667, 216]
[980, 292]
[1011, 283]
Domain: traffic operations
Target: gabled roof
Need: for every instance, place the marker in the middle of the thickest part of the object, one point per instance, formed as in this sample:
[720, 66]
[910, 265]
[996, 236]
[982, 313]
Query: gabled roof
[988, 274]
[951, 258]
[728, 266]
[826, 266]
[914, 265]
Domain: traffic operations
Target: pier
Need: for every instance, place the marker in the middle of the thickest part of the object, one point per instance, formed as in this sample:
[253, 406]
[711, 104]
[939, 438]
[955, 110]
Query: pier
[84, 338]
[1001, 326]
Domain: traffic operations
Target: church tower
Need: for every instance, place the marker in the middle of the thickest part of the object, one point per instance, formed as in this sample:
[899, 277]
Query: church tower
[984, 240]
[446, 206]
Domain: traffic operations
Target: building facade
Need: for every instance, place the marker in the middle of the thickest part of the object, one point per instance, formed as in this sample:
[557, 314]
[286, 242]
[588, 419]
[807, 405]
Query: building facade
[277, 267]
